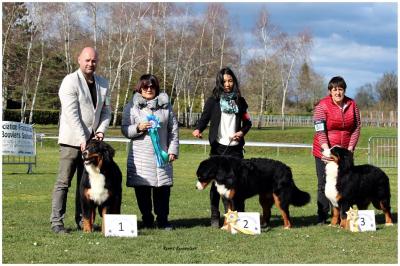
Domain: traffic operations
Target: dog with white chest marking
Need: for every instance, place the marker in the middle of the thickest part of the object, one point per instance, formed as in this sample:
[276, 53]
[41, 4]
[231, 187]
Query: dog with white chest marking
[348, 184]
[100, 186]
[240, 179]
[331, 192]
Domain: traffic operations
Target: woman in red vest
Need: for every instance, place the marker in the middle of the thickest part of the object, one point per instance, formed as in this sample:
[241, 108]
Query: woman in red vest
[337, 122]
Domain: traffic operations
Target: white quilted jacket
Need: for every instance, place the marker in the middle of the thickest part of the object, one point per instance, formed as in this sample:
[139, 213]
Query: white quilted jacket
[141, 163]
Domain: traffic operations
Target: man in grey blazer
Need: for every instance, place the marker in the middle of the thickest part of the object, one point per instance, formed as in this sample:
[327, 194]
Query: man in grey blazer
[85, 114]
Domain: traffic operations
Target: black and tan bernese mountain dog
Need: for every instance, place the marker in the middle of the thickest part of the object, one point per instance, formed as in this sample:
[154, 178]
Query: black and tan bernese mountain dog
[347, 184]
[100, 187]
[239, 179]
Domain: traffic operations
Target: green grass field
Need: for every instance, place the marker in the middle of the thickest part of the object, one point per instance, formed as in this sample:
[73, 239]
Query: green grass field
[27, 202]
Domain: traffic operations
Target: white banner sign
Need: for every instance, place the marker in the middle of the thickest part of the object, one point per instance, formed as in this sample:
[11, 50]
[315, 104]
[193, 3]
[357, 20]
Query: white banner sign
[17, 139]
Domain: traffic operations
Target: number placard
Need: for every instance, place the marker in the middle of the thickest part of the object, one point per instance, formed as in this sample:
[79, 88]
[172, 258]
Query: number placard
[121, 225]
[249, 221]
[366, 220]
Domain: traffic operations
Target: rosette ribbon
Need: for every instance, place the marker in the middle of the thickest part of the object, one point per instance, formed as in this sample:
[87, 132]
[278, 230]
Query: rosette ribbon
[162, 156]
[353, 220]
[231, 218]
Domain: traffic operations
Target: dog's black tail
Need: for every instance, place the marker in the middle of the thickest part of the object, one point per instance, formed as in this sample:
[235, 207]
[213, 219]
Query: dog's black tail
[299, 198]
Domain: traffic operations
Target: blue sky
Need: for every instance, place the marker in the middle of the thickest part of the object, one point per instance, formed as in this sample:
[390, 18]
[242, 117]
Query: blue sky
[355, 40]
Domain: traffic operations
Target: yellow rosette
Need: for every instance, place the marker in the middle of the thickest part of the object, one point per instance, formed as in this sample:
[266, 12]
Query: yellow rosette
[352, 219]
[231, 218]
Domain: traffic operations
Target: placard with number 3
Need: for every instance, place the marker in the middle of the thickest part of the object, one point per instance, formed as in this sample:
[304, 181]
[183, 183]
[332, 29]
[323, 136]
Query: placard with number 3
[365, 221]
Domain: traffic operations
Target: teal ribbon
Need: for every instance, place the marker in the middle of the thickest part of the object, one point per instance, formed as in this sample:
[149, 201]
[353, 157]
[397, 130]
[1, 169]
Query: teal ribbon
[161, 156]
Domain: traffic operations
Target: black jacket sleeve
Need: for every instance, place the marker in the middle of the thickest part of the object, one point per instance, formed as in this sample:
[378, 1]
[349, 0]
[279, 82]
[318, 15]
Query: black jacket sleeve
[206, 115]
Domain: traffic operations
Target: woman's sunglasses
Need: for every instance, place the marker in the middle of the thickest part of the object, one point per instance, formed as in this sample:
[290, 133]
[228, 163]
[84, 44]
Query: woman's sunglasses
[147, 87]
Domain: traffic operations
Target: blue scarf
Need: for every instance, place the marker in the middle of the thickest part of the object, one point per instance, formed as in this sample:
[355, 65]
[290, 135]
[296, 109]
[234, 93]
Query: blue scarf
[228, 104]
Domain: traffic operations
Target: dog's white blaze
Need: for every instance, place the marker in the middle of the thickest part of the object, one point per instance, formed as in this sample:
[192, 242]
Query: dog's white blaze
[331, 171]
[222, 190]
[199, 186]
[98, 192]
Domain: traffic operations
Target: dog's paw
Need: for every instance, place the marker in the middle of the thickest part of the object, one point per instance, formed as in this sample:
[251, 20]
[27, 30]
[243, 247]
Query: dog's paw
[199, 185]
[388, 224]
[266, 229]
[263, 225]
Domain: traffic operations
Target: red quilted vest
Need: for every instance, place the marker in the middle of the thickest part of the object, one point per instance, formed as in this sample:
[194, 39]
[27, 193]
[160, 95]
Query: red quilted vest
[340, 124]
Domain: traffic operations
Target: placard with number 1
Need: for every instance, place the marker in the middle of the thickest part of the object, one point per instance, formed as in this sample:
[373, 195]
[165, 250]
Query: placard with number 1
[120, 225]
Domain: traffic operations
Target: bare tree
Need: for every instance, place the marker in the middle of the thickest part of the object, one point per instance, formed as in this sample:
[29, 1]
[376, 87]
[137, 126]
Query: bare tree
[164, 29]
[125, 19]
[39, 75]
[25, 84]
[164, 7]
[92, 6]
[205, 54]
[135, 59]
[178, 63]
[111, 49]
[6, 67]
[12, 12]
[218, 21]
[213, 12]
[185, 85]
[364, 98]
[291, 49]
[386, 88]
[40, 16]
[265, 31]
[151, 41]
[310, 88]
[223, 44]
[66, 27]
[202, 100]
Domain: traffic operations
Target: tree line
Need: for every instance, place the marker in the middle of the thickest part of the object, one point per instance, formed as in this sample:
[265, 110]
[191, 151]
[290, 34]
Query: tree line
[41, 42]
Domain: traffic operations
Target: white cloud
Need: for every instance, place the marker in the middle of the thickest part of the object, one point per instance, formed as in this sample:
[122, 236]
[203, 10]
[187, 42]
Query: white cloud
[338, 49]
[356, 40]
[357, 63]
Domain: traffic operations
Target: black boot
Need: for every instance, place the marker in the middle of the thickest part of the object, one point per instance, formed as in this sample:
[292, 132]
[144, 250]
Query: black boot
[143, 198]
[161, 206]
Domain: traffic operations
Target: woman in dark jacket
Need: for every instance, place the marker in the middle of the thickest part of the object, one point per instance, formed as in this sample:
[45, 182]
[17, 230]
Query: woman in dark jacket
[226, 110]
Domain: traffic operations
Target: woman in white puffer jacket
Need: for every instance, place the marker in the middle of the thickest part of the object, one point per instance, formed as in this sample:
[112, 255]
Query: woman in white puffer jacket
[142, 171]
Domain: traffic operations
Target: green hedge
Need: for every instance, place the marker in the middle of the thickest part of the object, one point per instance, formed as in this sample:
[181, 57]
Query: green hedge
[42, 117]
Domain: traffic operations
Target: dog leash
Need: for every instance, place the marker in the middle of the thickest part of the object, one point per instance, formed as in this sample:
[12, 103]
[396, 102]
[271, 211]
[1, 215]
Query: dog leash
[227, 146]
